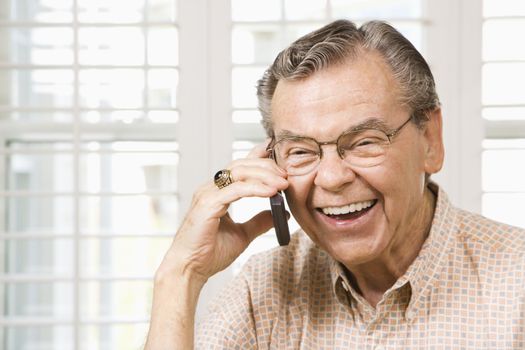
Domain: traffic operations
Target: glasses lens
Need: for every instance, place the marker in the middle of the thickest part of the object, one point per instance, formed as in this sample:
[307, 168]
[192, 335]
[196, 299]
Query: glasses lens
[364, 148]
[297, 156]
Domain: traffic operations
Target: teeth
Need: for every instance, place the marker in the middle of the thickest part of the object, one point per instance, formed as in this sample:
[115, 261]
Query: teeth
[351, 208]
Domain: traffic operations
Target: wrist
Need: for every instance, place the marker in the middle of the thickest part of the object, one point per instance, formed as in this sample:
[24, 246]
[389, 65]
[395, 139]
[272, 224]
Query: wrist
[176, 292]
[175, 297]
[177, 276]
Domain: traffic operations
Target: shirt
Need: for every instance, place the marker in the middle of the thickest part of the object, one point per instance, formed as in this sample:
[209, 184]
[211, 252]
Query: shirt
[464, 290]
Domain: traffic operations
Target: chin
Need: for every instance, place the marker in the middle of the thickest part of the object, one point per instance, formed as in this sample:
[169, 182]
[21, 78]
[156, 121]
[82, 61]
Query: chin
[354, 251]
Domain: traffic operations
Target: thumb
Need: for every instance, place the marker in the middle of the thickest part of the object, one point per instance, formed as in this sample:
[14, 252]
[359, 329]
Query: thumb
[257, 225]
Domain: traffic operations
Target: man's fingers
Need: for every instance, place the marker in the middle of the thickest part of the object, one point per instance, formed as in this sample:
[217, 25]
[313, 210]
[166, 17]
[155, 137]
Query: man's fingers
[257, 225]
[256, 164]
[259, 151]
[272, 176]
[242, 189]
[212, 202]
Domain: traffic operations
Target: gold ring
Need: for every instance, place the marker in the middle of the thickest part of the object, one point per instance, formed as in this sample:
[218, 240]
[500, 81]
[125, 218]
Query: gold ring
[223, 178]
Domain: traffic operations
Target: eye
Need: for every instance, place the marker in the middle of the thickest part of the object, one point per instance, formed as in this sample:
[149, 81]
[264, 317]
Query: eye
[297, 152]
[369, 141]
[351, 144]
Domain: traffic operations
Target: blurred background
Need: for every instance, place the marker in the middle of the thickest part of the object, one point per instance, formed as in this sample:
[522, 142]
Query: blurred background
[112, 112]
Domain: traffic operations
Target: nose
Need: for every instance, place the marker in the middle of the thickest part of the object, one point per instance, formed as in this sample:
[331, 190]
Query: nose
[332, 173]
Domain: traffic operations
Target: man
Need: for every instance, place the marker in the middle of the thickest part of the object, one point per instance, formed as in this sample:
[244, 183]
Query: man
[383, 260]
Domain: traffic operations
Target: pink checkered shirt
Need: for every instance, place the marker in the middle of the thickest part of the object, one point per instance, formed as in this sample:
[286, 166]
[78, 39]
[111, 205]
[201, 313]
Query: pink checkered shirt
[465, 290]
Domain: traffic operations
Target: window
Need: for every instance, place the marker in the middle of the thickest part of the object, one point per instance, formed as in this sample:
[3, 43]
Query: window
[89, 163]
[503, 99]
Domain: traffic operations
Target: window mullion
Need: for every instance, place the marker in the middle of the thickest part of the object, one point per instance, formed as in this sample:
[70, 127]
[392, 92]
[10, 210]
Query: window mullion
[76, 181]
[193, 132]
[3, 243]
[470, 108]
[454, 50]
[220, 70]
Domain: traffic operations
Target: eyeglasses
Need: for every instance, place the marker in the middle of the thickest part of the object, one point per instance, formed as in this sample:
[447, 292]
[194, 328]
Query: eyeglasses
[365, 147]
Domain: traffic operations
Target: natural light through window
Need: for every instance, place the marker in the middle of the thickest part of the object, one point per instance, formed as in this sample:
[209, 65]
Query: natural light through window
[89, 164]
[503, 101]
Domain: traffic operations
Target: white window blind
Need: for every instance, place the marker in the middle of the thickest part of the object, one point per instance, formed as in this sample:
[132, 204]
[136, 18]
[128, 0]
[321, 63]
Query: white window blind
[503, 111]
[88, 168]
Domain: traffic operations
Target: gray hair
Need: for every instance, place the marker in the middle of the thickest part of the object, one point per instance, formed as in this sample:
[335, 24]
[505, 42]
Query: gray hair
[342, 40]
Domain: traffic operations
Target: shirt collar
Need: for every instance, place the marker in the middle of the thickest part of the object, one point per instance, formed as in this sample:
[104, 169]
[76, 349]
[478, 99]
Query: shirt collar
[429, 262]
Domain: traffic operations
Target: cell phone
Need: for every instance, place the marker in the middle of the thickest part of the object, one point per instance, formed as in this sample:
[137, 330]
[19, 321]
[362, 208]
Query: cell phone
[280, 222]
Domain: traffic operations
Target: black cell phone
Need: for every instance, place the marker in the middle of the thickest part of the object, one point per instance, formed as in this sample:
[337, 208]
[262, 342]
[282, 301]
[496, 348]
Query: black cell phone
[280, 222]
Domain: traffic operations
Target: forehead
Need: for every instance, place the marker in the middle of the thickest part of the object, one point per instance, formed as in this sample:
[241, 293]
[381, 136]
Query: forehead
[337, 97]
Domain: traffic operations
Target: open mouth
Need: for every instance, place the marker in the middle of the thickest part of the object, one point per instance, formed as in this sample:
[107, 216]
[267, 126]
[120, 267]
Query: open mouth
[350, 211]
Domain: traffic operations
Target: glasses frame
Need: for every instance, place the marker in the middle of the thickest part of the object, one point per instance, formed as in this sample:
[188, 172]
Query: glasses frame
[390, 135]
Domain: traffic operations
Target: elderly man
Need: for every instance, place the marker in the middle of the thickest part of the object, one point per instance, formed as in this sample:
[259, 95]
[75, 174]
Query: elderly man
[382, 260]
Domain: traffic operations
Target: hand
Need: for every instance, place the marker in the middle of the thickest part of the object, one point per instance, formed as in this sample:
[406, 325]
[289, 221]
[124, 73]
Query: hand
[208, 240]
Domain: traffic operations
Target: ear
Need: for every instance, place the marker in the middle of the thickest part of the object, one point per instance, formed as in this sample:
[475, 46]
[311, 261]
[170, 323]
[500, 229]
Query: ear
[434, 149]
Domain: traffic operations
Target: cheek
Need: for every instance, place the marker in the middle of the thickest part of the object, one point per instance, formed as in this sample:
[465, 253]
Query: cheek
[297, 193]
[397, 179]
[400, 181]
[404, 167]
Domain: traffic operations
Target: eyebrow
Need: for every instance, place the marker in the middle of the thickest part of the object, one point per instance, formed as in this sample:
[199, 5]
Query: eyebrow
[370, 123]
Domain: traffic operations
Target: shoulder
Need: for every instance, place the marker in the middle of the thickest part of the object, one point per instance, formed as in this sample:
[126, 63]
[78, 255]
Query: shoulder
[477, 234]
[495, 250]
[489, 235]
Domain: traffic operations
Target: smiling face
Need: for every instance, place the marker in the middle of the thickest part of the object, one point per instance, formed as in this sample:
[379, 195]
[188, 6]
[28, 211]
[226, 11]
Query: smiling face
[358, 215]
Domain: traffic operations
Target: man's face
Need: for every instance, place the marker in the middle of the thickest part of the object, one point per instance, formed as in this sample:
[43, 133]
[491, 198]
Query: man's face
[321, 107]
